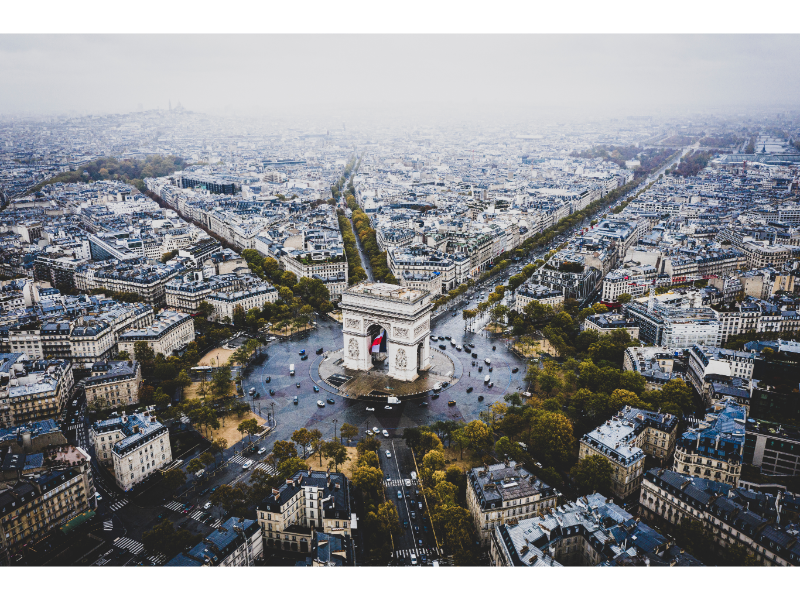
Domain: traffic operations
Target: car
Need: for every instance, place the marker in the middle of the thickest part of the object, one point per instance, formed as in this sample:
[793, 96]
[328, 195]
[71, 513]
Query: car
[480, 398]
[316, 388]
[459, 348]
[371, 408]
[419, 542]
[97, 496]
[247, 465]
[262, 451]
[434, 338]
[320, 403]
[387, 407]
[272, 392]
[161, 516]
[442, 347]
[188, 507]
[469, 389]
[424, 518]
[304, 357]
[388, 454]
[370, 432]
[447, 337]
[420, 506]
[473, 363]
[268, 380]
[435, 396]
[451, 403]
[515, 370]
[331, 401]
[490, 369]
[445, 384]
[480, 369]
[412, 514]
[214, 489]
[474, 355]
[399, 495]
[405, 524]
[204, 492]
[298, 384]
[491, 384]
[375, 430]
[423, 404]
[454, 314]
[425, 528]
[413, 558]
[258, 394]
[295, 400]
[385, 433]
[302, 352]
[207, 505]
[416, 529]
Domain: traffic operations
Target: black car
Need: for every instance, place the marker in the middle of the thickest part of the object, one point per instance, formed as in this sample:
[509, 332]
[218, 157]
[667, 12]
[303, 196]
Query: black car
[469, 389]
[272, 392]
[435, 396]
[405, 524]
[445, 384]
[515, 370]
[474, 355]
[319, 351]
[204, 492]
[442, 346]
[447, 337]
[480, 369]
[494, 347]
[423, 404]
[480, 398]
[304, 357]
[451, 403]
[268, 380]
[490, 369]
[331, 401]
[298, 384]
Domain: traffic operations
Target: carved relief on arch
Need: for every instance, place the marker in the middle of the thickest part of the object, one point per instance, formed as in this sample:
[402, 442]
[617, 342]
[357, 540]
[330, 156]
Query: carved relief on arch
[401, 332]
[352, 348]
[353, 324]
[400, 359]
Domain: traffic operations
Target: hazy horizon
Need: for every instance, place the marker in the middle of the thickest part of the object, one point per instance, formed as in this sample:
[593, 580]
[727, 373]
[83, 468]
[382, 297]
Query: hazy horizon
[366, 77]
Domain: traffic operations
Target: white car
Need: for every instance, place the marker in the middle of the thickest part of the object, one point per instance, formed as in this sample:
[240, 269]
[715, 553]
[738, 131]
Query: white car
[388, 454]
[247, 465]
[375, 430]
[320, 403]
[385, 433]
[369, 432]
[97, 496]
[262, 451]
[207, 505]
[371, 409]
[387, 407]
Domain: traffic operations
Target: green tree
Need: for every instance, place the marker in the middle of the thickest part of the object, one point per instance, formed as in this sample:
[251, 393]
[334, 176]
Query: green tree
[624, 298]
[478, 435]
[143, 352]
[335, 452]
[348, 431]
[551, 437]
[195, 465]
[369, 480]
[183, 380]
[283, 450]
[173, 479]
[290, 466]
[302, 438]
[593, 474]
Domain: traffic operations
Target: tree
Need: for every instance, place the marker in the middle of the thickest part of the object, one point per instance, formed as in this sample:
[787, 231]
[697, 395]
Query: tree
[205, 309]
[250, 427]
[164, 539]
[593, 474]
[621, 398]
[207, 459]
[676, 392]
[302, 438]
[369, 480]
[505, 447]
[478, 435]
[388, 517]
[336, 452]
[195, 465]
[315, 440]
[183, 380]
[348, 431]
[290, 466]
[284, 450]
[221, 383]
[218, 446]
[624, 298]
[633, 382]
[551, 436]
[173, 479]
[142, 351]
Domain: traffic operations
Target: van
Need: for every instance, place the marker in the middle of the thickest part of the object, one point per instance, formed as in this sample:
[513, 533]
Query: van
[487, 361]
[487, 378]
[295, 399]
[393, 400]
[291, 369]
[413, 559]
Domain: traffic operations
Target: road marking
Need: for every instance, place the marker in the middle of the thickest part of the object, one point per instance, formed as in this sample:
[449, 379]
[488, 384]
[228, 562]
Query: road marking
[108, 525]
[176, 506]
[118, 505]
[129, 544]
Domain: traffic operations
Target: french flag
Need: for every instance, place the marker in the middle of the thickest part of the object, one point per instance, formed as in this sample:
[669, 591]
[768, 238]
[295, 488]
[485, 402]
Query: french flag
[379, 343]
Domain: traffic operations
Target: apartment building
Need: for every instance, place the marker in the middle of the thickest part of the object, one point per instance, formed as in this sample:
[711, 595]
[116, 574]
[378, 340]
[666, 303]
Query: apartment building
[169, 331]
[503, 492]
[624, 439]
[772, 447]
[453, 270]
[608, 323]
[529, 292]
[32, 391]
[733, 517]
[225, 303]
[185, 294]
[237, 542]
[634, 280]
[309, 501]
[656, 364]
[717, 364]
[714, 449]
[33, 508]
[568, 273]
[134, 446]
[328, 265]
[129, 276]
[759, 255]
[113, 383]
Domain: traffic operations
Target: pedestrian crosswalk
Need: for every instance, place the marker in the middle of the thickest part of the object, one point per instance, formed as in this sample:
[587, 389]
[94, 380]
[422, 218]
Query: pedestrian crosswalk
[108, 525]
[101, 561]
[216, 523]
[238, 459]
[176, 506]
[129, 544]
[406, 552]
[270, 470]
[197, 515]
[393, 482]
[157, 559]
[118, 505]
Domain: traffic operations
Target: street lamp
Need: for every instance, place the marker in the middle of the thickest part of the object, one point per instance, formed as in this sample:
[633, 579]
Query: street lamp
[334, 428]
[273, 414]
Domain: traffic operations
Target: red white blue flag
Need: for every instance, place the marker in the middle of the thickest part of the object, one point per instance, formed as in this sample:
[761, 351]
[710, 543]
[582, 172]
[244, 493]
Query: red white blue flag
[379, 343]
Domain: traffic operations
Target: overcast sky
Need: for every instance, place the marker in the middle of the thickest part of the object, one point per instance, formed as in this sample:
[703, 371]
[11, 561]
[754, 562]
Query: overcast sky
[381, 76]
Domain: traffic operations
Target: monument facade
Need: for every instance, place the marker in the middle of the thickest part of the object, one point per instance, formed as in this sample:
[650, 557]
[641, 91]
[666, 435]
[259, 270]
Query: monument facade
[389, 321]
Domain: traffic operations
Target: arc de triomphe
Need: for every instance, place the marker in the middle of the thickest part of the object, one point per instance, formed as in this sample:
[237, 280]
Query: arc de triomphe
[403, 312]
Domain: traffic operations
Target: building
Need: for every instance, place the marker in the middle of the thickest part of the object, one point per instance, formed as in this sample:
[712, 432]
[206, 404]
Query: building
[624, 439]
[569, 273]
[309, 501]
[527, 293]
[328, 265]
[185, 293]
[732, 516]
[402, 313]
[655, 363]
[329, 550]
[235, 543]
[169, 331]
[113, 383]
[225, 303]
[32, 391]
[718, 364]
[773, 447]
[714, 449]
[134, 446]
[504, 492]
[674, 320]
[608, 323]
[591, 531]
[33, 508]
